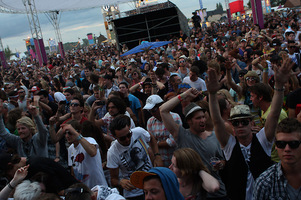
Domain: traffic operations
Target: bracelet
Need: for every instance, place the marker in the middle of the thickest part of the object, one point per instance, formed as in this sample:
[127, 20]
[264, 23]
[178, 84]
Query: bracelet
[79, 137]
[279, 89]
[10, 186]
[157, 154]
[180, 98]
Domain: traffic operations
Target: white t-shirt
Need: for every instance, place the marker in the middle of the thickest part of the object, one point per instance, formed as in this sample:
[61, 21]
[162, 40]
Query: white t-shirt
[87, 169]
[131, 158]
[246, 151]
[199, 84]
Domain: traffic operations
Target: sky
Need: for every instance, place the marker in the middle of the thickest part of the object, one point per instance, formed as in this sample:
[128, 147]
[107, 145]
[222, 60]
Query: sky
[14, 28]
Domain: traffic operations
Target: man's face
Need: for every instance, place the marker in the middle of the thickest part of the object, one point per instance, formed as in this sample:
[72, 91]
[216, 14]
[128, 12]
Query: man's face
[96, 94]
[177, 80]
[153, 190]
[291, 48]
[255, 100]
[289, 156]
[75, 107]
[193, 76]
[147, 89]
[68, 96]
[123, 89]
[124, 136]
[112, 109]
[198, 122]
[43, 99]
[155, 111]
[291, 36]
[24, 132]
[242, 128]
[87, 73]
[182, 62]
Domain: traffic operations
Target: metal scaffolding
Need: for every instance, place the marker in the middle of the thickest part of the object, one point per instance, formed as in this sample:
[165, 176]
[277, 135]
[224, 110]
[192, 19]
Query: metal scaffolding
[33, 19]
[55, 18]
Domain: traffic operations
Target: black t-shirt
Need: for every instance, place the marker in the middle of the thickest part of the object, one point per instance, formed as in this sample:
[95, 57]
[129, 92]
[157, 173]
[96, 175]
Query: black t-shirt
[58, 177]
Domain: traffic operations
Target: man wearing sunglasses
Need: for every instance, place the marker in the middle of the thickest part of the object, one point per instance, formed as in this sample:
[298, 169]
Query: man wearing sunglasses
[247, 154]
[131, 151]
[283, 180]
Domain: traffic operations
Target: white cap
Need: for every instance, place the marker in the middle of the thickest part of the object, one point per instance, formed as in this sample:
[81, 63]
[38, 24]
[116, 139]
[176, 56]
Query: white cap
[152, 101]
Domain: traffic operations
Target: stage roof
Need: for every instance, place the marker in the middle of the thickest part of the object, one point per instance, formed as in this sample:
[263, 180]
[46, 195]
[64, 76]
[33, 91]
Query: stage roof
[56, 5]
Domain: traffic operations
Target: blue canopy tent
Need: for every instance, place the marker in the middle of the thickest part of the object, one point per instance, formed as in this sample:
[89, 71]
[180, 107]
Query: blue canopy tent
[146, 46]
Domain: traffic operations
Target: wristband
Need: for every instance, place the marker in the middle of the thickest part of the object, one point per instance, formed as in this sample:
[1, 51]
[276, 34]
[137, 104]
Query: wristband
[279, 89]
[180, 98]
[79, 137]
[10, 186]
[157, 154]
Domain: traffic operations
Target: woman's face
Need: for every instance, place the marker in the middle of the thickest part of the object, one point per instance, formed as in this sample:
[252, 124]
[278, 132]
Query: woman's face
[153, 190]
[173, 167]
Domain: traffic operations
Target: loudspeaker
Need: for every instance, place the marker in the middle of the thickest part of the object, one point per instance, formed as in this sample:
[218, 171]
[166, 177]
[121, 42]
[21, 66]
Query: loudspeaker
[162, 23]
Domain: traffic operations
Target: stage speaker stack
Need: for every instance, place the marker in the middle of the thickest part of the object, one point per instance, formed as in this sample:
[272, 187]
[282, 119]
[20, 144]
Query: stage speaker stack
[160, 21]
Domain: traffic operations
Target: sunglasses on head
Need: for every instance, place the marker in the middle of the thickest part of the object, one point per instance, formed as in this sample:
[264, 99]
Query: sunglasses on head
[129, 135]
[74, 104]
[244, 122]
[292, 144]
[250, 79]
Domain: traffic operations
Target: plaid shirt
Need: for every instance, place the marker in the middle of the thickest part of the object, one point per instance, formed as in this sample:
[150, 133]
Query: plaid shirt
[271, 184]
[158, 130]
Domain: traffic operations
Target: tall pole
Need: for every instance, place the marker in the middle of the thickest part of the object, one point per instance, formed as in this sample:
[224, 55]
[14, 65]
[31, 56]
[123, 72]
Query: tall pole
[35, 29]
[54, 18]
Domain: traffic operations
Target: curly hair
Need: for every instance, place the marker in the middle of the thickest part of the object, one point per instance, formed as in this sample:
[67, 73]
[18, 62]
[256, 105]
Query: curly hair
[26, 121]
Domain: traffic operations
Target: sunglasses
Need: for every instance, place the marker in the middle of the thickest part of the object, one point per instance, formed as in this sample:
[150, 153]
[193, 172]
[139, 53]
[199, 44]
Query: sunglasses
[250, 79]
[241, 75]
[129, 135]
[292, 47]
[292, 144]
[242, 122]
[182, 61]
[74, 104]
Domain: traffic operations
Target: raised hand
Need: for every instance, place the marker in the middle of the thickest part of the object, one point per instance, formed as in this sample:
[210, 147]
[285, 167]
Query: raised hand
[212, 82]
[283, 72]
[19, 176]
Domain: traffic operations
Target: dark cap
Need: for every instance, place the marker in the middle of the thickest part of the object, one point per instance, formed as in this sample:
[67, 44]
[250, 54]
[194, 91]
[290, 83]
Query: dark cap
[191, 108]
[276, 42]
[243, 72]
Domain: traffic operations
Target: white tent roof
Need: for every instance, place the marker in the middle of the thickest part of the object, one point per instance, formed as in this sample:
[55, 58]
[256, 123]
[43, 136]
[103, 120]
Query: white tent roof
[57, 5]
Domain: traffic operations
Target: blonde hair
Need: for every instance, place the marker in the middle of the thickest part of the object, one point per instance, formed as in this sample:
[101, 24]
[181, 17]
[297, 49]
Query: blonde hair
[214, 65]
[26, 121]
[189, 162]
[226, 94]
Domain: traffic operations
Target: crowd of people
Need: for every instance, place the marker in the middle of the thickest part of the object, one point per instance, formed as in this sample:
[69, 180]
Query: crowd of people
[212, 115]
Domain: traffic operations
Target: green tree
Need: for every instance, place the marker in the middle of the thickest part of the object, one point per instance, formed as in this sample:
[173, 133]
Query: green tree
[249, 4]
[221, 6]
[7, 52]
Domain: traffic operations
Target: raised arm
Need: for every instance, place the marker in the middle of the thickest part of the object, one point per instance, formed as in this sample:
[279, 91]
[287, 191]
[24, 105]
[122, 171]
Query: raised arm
[42, 130]
[282, 75]
[230, 82]
[218, 122]
[165, 109]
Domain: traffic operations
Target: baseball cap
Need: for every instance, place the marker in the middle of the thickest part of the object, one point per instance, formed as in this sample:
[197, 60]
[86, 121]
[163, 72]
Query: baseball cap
[191, 108]
[276, 42]
[240, 111]
[243, 40]
[35, 88]
[152, 101]
[138, 176]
